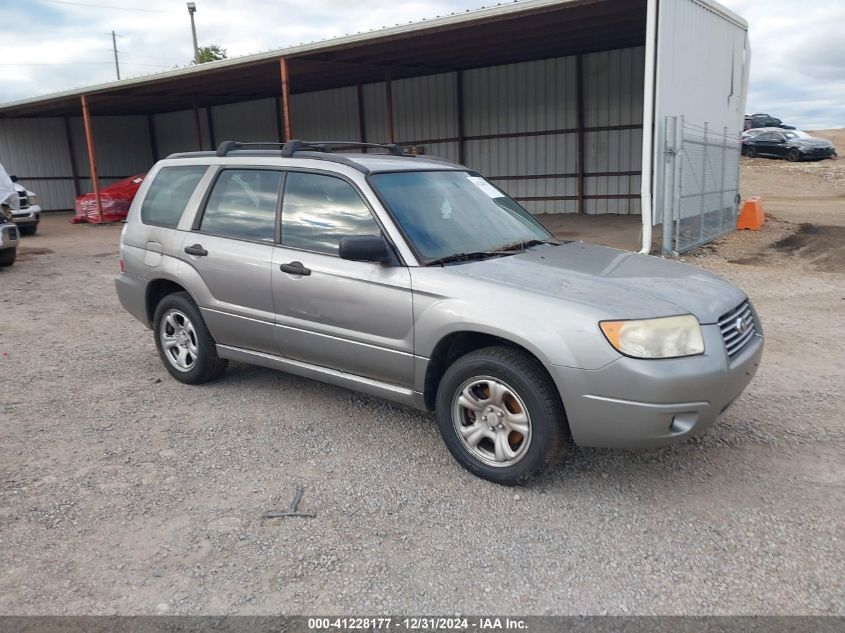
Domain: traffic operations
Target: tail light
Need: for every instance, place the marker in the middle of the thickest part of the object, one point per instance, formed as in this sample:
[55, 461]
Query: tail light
[121, 265]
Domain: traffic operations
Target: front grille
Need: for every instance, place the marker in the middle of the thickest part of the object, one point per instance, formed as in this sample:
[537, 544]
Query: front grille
[738, 328]
[13, 232]
[24, 200]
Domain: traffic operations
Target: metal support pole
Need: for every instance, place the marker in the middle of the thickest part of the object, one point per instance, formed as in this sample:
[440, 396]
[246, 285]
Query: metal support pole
[459, 91]
[72, 155]
[672, 151]
[705, 150]
[362, 118]
[114, 48]
[286, 122]
[722, 186]
[210, 120]
[92, 159]
[679, 196]
[579, 80]
[388, 91]
[197, 124]
[191, 11]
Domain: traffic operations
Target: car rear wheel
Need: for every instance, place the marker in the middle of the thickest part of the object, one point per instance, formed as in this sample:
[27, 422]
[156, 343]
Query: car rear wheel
[500, 415]
[794, 155]
[185, 345]
[751, 152]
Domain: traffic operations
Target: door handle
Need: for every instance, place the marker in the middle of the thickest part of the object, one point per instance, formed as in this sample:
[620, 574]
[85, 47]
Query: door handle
[295, 268]
[197, 250]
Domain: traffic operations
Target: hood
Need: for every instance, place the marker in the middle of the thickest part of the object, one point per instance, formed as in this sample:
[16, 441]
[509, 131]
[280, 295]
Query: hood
[621, 284]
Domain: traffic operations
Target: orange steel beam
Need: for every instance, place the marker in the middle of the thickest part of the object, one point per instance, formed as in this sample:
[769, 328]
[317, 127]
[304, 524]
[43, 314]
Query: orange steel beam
[286, 124]
[92, 159]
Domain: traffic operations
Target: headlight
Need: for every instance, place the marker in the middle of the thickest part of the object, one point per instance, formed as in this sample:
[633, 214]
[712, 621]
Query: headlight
[33, 199]
[668, 337]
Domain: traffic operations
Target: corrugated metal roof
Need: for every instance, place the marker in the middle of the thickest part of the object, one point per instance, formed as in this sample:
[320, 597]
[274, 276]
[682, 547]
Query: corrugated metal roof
[479, 14]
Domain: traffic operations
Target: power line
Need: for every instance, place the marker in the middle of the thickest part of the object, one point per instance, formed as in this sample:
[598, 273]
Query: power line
[84, 64]
[104, 6]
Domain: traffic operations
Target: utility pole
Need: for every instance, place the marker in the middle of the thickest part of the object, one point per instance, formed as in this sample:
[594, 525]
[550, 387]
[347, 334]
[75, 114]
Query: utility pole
[192, 8]
[114, 47]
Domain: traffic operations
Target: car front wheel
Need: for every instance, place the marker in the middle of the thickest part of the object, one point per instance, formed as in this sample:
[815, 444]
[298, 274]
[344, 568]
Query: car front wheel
[185, 345]
[794, 155]
[751, 152]
[500, 415]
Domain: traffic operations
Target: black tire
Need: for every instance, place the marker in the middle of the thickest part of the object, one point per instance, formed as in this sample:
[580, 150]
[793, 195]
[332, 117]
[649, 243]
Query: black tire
[206, 365]
[7, 256]
[524, 375]
[793, 156]
[751, 152]
[28, 230]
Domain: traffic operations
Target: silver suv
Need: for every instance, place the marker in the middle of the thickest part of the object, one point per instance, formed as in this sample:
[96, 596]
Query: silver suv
[417, 280]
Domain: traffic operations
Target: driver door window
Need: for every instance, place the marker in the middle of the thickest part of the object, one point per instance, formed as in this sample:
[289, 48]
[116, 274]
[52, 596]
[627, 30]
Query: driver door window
[318, 210]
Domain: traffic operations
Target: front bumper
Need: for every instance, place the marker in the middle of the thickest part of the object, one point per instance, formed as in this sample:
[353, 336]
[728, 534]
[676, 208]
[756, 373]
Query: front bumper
[30, 216]
[634, 403]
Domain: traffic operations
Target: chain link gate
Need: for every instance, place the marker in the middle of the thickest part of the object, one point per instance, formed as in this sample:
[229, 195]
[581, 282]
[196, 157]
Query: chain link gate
[701, 184]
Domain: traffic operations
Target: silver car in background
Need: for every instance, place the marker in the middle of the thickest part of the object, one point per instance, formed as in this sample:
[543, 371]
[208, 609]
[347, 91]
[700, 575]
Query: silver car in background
[417, 280]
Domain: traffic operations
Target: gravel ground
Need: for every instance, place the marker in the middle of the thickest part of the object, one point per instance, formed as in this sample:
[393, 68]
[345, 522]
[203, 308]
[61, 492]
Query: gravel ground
[123, 491]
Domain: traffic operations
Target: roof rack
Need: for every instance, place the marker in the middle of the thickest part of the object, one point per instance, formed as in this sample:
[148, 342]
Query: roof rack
[316, 150]
[291, 147]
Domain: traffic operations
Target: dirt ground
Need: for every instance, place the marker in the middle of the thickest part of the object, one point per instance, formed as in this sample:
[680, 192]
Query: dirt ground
[122, 491]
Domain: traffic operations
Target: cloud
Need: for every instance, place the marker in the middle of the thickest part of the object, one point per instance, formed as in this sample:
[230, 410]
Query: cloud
[798, 64]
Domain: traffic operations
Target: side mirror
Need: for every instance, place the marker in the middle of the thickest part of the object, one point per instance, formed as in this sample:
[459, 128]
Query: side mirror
[13, 178]
[364, 248]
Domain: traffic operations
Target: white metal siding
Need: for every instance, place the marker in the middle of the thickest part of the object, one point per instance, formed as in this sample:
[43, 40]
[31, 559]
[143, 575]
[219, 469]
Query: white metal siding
[702, 61]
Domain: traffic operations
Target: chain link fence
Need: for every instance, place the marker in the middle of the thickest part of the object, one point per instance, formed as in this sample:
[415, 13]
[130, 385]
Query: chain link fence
[702, 184]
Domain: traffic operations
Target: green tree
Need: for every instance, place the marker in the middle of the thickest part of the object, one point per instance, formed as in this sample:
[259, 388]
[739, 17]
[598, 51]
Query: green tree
[211, 53]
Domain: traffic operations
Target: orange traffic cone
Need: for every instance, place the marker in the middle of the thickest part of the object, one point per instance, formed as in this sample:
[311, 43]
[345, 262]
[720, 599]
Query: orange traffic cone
[752, 215]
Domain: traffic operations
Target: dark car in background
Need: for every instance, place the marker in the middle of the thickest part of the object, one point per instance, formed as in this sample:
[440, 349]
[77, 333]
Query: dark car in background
[764, 120]
[790, 144]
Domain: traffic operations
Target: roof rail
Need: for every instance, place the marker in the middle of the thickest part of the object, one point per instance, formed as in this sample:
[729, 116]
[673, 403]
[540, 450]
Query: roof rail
[291, 147]
[227, 146]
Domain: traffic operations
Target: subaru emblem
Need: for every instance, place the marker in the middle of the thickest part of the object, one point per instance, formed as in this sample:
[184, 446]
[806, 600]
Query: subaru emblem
[742, 324]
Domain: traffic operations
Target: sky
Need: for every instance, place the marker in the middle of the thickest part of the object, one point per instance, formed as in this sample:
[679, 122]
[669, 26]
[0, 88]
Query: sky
[797, 68]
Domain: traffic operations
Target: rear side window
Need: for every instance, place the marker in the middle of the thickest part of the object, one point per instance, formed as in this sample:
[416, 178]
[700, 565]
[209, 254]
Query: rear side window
[243, 204]
[318, 210]
[169, 193]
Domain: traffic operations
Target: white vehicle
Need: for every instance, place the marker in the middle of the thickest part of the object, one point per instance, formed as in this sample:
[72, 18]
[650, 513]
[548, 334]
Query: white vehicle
[27, 215]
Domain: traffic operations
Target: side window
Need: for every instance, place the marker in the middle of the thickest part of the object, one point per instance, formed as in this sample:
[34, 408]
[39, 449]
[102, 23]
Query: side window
[242, 204]
[318, 210]
[169, 193]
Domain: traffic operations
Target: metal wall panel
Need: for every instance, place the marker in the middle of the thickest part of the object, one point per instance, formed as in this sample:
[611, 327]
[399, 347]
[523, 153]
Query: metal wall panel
[326, 115]
[177, 132]
[425, 108]
[375, 112]
[246, 121]
[38, 148]
[122, 145]
[702, 65]
[525, 97]
[34, 147]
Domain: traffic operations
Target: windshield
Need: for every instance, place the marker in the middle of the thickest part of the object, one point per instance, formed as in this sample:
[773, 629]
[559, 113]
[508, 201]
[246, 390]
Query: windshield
[445, 213]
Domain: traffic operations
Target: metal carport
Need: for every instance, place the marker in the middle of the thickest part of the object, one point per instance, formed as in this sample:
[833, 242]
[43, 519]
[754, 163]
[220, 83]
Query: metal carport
[545, 97]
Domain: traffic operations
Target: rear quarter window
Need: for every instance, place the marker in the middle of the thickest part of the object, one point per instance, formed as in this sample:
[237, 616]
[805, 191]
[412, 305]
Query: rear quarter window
[169, 194]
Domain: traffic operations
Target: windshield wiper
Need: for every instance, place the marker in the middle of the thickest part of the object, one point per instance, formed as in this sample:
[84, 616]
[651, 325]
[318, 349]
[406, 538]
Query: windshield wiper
[465, 257]
[524, 244]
